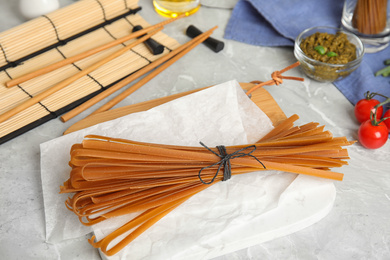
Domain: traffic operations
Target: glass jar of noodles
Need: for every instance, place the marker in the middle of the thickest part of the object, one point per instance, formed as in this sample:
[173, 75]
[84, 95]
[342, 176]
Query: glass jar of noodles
[173, 8]
[369, 20]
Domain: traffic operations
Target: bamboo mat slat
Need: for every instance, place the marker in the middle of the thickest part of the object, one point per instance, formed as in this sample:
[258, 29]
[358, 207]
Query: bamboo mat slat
[13, 46]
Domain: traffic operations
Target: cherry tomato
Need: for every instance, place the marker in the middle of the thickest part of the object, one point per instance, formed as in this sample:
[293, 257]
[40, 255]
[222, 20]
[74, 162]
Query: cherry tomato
[373, 136]
[387, 121]
[364, 107]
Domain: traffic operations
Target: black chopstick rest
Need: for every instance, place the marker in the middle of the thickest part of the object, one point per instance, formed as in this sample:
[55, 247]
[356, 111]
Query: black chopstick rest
[155, 47]
[210, 42]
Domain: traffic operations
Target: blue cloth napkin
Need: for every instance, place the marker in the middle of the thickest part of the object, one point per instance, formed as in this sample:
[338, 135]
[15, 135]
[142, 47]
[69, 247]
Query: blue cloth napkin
[279, 22]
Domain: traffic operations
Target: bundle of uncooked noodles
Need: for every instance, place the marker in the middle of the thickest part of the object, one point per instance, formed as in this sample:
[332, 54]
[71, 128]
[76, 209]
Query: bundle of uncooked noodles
[370, 16]
[111, 177]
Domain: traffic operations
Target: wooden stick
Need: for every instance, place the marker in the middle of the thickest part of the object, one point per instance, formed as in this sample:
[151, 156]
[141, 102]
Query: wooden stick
[260, 97]
[122, 111]
[143, 81]
[62, 84]
[185, 48]
[88, 53]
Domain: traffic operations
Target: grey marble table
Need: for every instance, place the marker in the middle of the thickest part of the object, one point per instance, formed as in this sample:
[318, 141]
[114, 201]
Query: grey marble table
[357, 227]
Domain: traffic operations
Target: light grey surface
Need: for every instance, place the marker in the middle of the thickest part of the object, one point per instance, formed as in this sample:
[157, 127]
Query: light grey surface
[358, 226]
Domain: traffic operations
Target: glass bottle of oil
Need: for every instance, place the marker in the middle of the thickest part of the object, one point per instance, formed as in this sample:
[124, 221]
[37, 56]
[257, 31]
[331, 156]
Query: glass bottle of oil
[173, 8]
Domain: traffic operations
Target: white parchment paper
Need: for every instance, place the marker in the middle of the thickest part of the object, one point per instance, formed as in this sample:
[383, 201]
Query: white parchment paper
[202, 227]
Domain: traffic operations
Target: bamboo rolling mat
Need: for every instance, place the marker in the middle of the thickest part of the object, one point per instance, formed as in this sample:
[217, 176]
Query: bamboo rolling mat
[261, 97]
[60, 35]
[53, 29]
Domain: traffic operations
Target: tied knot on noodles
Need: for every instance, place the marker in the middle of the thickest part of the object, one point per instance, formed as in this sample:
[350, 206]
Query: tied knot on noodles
[276, 78]
[225, 161]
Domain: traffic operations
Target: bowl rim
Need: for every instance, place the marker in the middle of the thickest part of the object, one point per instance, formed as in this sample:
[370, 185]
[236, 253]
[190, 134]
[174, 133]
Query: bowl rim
[338, 65]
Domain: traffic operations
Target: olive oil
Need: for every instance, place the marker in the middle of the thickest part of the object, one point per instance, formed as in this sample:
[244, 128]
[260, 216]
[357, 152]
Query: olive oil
[173, 8]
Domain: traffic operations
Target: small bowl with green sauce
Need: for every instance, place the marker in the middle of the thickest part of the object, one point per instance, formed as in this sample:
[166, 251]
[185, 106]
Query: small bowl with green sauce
[328, 54]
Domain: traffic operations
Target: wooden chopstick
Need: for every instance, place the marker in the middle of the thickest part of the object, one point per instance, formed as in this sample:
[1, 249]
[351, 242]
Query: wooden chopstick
[34, 100]
[85, 54]
[260, 97]
[182, 50]
[154, 73]
[122, 111]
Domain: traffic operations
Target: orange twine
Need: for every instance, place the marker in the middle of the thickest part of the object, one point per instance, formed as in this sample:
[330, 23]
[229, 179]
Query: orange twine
[277, 78]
